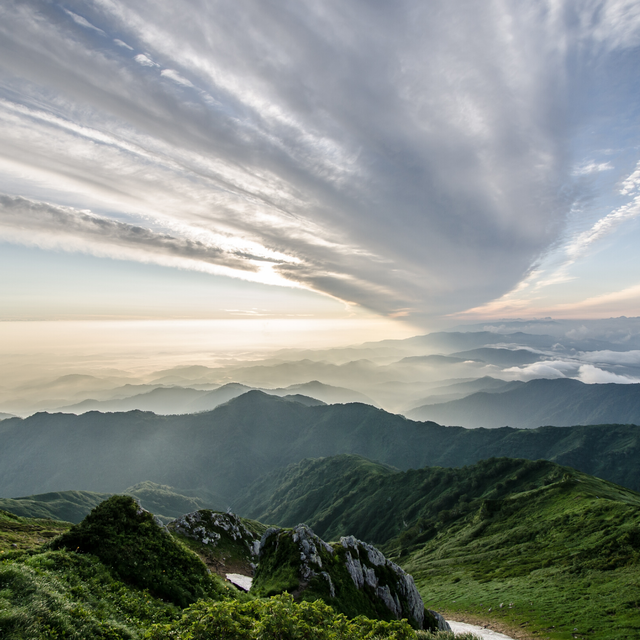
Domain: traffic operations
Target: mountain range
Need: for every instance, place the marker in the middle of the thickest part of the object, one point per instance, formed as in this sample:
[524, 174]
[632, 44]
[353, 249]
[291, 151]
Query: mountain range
[397, 375]
[561, 402]
[178, 400]
[219, 453]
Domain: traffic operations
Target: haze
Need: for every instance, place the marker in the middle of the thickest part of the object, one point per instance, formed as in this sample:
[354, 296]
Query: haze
[182, 183]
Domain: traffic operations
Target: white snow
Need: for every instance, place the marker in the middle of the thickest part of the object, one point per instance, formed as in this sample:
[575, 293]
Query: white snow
[244, 582]
[481, 632]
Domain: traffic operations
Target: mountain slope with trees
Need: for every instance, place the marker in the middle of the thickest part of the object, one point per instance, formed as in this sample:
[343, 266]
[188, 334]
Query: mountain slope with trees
[217, 454]
[532, 545]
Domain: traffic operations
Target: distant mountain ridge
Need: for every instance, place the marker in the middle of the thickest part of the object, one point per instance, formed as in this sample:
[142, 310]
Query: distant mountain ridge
[72, 506]
[560, 402]
[179, 400]
[458, 390]
[222, 451]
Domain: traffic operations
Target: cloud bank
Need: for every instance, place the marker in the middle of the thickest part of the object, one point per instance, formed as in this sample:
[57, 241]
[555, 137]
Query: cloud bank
[409, 157]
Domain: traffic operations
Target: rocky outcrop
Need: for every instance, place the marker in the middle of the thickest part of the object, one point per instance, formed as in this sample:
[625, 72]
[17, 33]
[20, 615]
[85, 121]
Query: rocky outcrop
[208, 527]
[223, 541]
[368, 566]
[350, 575]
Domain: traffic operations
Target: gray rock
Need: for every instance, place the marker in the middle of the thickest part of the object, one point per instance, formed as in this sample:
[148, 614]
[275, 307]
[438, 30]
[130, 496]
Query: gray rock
[404, 590]
[443, 625]
[380, 579]
[202, 525]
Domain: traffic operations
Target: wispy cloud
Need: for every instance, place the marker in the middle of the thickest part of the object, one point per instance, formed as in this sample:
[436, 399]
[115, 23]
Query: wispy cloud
[609, 223]
[82, 21]
[50, 226]
[407, 157]
[592, 167]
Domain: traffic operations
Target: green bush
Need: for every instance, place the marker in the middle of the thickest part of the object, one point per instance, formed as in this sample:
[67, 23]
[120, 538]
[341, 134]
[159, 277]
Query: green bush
[276, 618]
[129, 541]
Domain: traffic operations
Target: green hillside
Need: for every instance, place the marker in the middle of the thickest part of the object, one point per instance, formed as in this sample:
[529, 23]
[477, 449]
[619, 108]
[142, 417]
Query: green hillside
[561, 560]
[351, 495]
[51, 591]
[70, 506]
[118, 575]
[219, 453]
[128, 539]
[558, 549]
[163, 501]
[318, 492]
[73, 506]
[18, 534]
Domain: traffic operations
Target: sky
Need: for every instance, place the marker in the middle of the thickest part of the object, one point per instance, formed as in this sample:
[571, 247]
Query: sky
[364, 169]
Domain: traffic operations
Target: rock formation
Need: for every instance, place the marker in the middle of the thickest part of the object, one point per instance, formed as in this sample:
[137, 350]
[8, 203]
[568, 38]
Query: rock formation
[352, 576]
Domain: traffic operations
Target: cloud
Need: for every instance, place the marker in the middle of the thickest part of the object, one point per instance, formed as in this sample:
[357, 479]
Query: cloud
[49, 226]
[82, 21]
[120, 43]
[592, 375]
[592, 167]
[612, 357]
[176, 77]
[145, 61]
[609, 223]
[547, 369]
[407, 157]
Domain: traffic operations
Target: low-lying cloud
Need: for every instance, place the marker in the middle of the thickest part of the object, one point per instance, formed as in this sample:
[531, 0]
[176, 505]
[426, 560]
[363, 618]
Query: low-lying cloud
[548, 369]
[593, 375]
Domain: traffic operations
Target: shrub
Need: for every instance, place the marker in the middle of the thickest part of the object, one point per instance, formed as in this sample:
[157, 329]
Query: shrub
[129, 541]
[276, 618]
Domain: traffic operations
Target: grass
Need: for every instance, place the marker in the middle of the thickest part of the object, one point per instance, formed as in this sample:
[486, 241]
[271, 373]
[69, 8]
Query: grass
[561, 561]
[559, 549]
[61, 594]
[18, 534]
[531, 546]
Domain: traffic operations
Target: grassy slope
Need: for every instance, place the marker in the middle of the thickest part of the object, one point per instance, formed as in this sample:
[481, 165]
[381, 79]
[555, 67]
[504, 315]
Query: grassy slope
[73, 506]
[561, 547]
[69, 506]
[17, 533]
[128, 539]
[165, 502]
[312, 492]
[47, 593]
[350, 495]
[562, 559]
